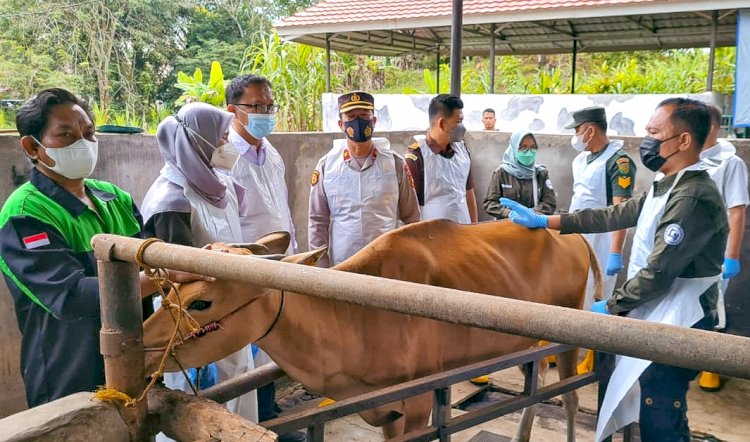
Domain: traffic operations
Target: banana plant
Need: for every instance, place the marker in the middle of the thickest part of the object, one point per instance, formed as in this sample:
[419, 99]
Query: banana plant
[194, 89]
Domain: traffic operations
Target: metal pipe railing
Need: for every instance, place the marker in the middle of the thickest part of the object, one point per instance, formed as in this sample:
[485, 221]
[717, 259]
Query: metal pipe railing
[689, 348]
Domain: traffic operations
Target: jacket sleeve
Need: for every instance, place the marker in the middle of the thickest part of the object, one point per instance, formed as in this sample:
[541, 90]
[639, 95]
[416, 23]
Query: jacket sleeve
[494, 192]
[172, 227]
[319, 220]
[611, 218]
[684, 231]
[548, 201]
[408, 206]
[49, 274]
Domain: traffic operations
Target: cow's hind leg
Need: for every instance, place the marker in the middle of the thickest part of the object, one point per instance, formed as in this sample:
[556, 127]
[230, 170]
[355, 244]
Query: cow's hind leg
[416, 413]
[527, 417]
[566, 367]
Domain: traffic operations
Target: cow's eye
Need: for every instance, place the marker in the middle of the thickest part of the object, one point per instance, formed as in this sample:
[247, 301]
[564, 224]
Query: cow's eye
[199, 305]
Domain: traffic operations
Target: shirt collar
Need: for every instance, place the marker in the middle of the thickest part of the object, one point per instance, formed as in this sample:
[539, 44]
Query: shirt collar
[597, 154]
[446, 152]
[64, 198]
[247, 150]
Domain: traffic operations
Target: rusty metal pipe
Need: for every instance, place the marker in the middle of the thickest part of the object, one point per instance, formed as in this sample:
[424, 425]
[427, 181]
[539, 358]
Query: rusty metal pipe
[246, 382]
[121, 337]
[696, 349]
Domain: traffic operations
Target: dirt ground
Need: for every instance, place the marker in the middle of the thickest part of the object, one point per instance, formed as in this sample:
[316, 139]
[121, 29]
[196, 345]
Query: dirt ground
[719, 416]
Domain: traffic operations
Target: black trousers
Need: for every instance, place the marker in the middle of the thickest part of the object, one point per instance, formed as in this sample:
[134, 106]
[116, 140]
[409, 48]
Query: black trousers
[663, 414]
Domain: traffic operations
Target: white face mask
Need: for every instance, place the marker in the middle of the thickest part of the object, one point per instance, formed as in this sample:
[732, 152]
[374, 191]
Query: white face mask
[75, 161]
[225, 156]
[578, 144]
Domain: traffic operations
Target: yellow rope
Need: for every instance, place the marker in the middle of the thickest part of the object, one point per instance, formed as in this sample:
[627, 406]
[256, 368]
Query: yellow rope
[160, 277]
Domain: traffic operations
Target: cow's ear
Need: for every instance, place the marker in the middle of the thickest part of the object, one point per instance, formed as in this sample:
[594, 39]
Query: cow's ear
[276, 242]
[310, 258]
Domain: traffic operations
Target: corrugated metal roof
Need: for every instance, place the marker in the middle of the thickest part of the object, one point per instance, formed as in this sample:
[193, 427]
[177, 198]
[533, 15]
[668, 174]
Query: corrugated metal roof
[395, 27]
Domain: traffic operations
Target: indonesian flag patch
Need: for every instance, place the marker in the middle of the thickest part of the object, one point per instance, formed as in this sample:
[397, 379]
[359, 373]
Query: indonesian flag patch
[34, 241]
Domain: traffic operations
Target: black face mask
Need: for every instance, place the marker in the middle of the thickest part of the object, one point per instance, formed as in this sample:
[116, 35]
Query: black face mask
[358, 130]
[650, 153]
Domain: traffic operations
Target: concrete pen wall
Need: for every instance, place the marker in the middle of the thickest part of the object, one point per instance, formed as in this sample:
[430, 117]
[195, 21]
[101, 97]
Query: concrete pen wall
[133, 161]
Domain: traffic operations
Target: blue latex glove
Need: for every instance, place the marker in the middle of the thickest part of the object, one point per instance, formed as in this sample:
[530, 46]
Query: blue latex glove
[600, 307]
[731, 268]
[614, 264]
[524, 216]
[209, 373]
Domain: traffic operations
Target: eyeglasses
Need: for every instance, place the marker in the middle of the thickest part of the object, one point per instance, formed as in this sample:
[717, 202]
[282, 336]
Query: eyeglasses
[261, 108]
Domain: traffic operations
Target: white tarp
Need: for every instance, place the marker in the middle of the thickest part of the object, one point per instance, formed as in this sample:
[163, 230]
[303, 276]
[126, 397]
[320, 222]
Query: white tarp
[742, 71]
[626, 114]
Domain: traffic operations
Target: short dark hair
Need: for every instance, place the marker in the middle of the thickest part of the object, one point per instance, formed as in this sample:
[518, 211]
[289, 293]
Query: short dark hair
[443, 105]
[601, 125]
[490, 110]
[237, 86]
[31, 118]
[691, 116]
[715, 112]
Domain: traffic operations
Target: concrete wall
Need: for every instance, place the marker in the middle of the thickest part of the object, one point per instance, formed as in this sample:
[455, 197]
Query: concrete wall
[133, 162]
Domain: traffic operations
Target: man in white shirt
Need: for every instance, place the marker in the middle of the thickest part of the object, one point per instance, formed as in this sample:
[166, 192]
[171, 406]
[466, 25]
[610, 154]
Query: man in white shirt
[729, 172]
[260, 169]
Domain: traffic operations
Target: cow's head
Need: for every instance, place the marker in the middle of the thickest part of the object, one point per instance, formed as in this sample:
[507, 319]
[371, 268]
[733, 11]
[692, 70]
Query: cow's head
[229, 314]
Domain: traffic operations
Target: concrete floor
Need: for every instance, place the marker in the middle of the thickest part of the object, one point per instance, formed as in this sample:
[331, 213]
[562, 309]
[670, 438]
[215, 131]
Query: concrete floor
[720, 416]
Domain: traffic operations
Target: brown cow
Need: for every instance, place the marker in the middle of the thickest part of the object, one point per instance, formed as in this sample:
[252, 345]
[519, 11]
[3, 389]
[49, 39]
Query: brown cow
[340, 350]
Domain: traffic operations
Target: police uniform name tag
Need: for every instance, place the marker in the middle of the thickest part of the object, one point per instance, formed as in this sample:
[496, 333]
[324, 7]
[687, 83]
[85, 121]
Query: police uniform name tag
[225, 156]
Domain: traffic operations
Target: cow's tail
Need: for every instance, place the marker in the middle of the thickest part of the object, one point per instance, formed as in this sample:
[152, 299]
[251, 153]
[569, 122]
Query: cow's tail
[596, 270]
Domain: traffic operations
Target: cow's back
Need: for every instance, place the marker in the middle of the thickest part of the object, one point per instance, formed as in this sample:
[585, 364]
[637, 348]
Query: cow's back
[495, 258]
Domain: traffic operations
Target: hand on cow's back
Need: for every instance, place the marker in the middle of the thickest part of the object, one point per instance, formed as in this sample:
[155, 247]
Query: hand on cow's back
[523, 215]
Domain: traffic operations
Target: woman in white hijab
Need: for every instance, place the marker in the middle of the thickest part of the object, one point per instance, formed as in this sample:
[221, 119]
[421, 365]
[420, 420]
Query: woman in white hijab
[191, 204]
[521, 179]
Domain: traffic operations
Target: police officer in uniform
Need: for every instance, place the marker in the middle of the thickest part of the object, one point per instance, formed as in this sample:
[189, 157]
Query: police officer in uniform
[675, 264]
[729, 172]
[440, 164]
[360, 188]
[521, 179]
[603, 175]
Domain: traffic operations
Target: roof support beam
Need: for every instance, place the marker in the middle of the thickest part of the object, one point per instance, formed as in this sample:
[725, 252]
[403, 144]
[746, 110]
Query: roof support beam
[712, 51]
[492, 58]
[553, 28]
[651, 29]
[573, 68]
[456, 37]
[328, 63]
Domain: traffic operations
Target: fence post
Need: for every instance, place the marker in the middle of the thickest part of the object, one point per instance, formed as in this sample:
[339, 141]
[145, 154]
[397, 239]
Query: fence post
[441, 412]
[121, 336]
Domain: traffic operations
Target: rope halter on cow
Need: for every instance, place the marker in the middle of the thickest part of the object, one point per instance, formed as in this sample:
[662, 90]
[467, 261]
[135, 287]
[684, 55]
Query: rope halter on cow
[160, 278]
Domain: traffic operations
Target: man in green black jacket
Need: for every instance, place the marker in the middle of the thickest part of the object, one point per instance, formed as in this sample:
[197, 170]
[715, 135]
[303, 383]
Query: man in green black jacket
[46, 227]
[675, 264]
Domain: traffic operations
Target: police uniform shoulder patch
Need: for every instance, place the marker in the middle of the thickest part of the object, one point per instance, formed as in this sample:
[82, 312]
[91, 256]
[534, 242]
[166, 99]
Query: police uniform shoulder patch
[315, 177]
[414, 146]
[624, 181]
[410, 156]
[623, 165]
[409, 175]
[548, 183]
[346, 155]
[673, 234]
